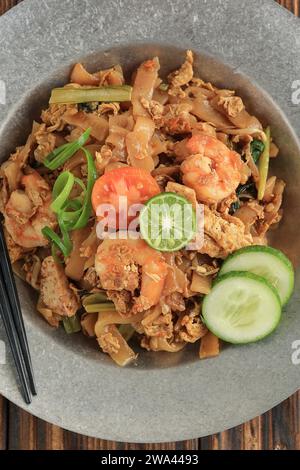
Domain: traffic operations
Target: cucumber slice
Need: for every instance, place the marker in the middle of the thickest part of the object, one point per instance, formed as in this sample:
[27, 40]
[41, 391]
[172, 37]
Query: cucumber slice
[241, 308]
[267, 262]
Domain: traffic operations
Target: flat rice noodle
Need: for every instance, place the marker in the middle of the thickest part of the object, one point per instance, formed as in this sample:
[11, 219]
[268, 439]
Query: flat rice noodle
[98, 124]
[52, 318]
[160, 96]
[144, 85]
[247, 215]
[157, 145]
[209, 346]
[119, 127]
[204, 111]
[125, 354]
[89, 248]
[113, 166]
[88, 322]
[201, 284]
[81, 76]
[113, 317]
[176, 280]
[245, 121]
[11, 169]
[269, 191]
[75, 263]
[242, 120]
[137, 143]
[162, 344]
[166, 170]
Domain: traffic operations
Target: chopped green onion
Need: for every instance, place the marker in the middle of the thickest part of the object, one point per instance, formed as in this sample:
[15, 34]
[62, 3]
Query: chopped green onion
[263, 166]
[70, 217]
[127, 331]
[87, 204]
[106, 94]
[72, 324]
[102, 307]
[60, 155]
[54, 238]
[71, 214]
[163, 86]
[94, 299]
[61, 190]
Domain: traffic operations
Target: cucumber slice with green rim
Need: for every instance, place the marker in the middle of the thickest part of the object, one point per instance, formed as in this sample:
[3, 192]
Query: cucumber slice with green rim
[267, 262]
[241, 308]
[168, 222]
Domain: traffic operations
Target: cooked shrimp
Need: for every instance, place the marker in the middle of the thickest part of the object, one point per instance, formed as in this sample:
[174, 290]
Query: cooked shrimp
[28, 211]
[117, 264]
[211, 169]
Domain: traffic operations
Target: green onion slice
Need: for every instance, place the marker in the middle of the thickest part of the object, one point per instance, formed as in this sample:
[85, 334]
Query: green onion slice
[60, 155]
[55, 239]
[87, 204]
[72, 324]
[61, 190]
[72, 214]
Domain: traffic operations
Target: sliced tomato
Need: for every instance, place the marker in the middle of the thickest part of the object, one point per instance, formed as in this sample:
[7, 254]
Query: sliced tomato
[136, 184]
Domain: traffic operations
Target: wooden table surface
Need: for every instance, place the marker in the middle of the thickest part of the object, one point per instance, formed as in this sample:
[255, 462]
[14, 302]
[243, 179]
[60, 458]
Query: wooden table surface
[277, 429]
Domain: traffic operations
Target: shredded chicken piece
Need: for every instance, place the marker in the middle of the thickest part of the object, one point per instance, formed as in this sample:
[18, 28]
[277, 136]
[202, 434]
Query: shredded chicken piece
[175, 301]
[122, 300]
[53, 116]
[32, 268]
[158, 324]
[108, 108]
[91, 279]
[155, 109]
[112, 76]
[173, 119]
[224, 206]
[232, 105]
[109, 343]
[46, 143]
[185, 74]
[223, 235]
[15, 251]
[56, 292]
[272, 212]
[184, 191]
[249, 213]
[190, 328]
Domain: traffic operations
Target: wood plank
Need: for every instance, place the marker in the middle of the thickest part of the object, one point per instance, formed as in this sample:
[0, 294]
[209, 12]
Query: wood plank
[22, 432]
[3, 423]
[5, 5]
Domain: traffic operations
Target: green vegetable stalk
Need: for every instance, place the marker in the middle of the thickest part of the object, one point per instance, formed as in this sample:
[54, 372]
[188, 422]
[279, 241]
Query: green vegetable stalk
[104, 94]
[263, 166]
[72, 324]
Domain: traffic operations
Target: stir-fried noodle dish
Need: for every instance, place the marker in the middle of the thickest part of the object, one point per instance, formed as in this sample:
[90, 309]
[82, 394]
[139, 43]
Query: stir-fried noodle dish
[152, 141]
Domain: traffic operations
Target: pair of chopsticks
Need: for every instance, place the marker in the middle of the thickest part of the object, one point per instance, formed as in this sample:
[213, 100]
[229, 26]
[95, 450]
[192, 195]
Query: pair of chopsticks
[10, 311]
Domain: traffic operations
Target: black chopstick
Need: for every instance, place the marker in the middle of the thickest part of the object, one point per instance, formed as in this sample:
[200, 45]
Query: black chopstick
[5, 266]
[13, 322]
[14, 341]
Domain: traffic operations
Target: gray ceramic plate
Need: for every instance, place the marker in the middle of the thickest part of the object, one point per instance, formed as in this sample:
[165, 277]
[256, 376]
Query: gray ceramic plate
[249, 46]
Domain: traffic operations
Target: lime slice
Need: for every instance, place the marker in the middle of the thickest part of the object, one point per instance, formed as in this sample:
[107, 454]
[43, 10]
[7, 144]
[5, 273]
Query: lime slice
[168, 222]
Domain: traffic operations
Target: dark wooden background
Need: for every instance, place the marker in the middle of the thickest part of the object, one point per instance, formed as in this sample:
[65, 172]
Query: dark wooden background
[277, 429]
